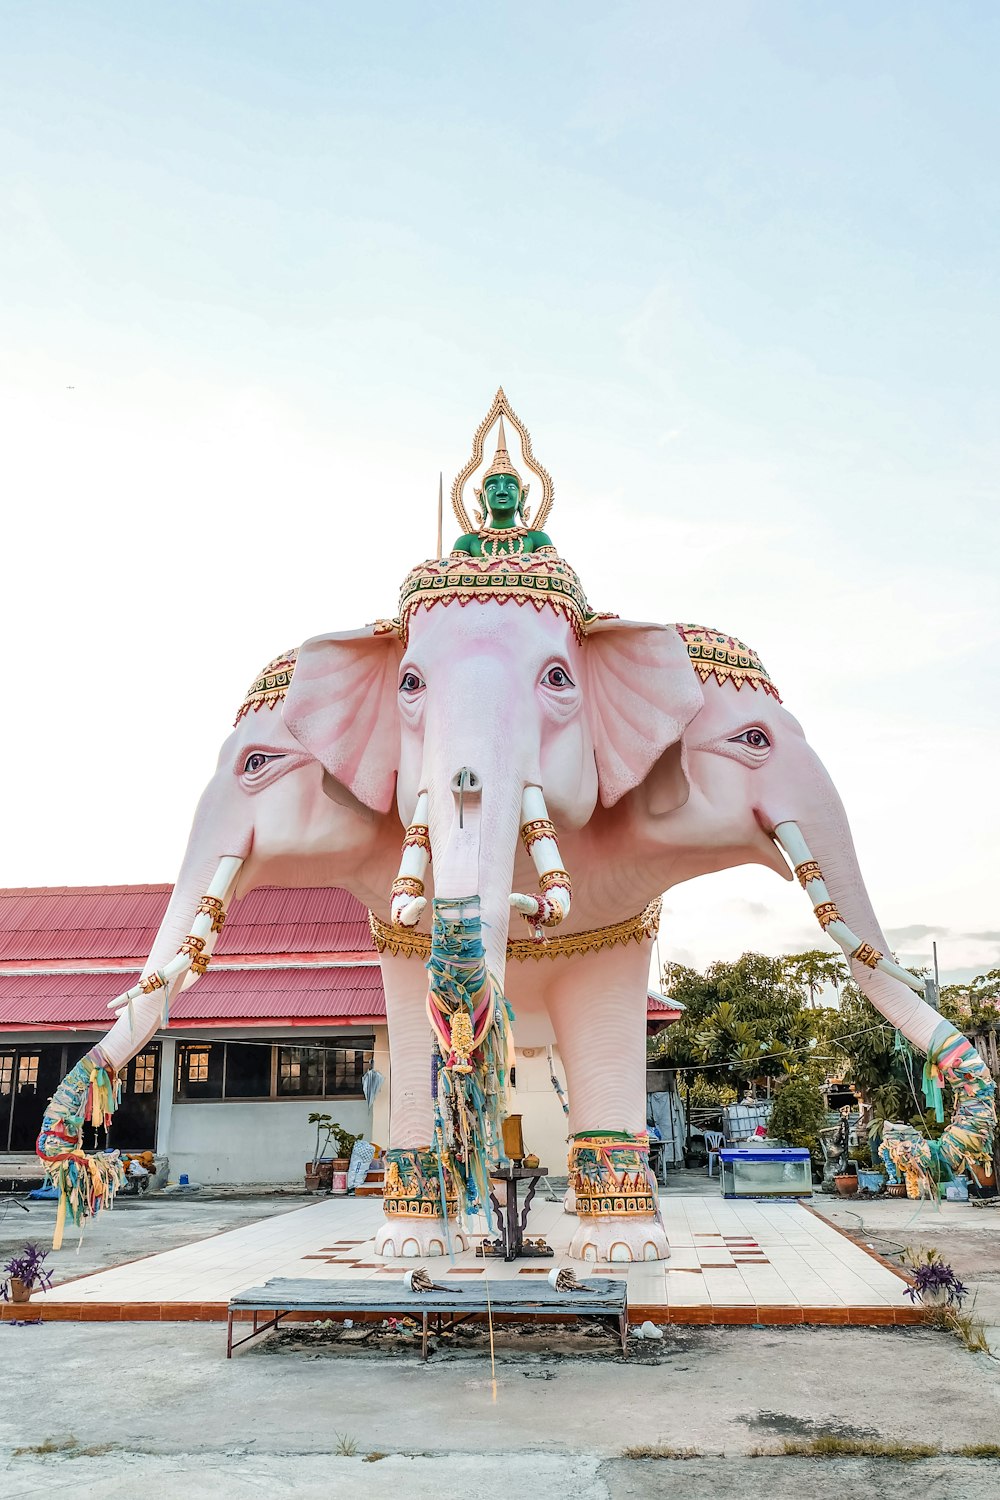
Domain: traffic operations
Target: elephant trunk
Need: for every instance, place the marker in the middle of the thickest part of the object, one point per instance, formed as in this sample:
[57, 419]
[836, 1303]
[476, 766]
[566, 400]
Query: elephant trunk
[89, 1092]
[822, 851]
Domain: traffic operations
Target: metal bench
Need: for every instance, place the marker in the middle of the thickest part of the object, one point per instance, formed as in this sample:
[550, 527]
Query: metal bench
[472, 1297]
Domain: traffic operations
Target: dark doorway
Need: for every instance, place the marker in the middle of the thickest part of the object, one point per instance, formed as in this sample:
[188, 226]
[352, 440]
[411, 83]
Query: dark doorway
[28, 1077]
[133, 1127]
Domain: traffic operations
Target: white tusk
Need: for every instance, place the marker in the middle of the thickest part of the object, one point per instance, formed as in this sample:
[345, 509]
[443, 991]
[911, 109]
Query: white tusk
[539, 836]
[205, 930]
[407, 900]
[810, 877]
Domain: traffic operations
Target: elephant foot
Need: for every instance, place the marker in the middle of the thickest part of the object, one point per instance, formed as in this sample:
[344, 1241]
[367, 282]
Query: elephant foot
[569, 1202]
[619, 1240]
[418, 1238]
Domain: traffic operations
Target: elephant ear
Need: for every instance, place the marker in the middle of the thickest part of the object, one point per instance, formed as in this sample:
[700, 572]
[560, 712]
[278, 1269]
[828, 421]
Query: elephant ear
[643, 695]
[342, 706]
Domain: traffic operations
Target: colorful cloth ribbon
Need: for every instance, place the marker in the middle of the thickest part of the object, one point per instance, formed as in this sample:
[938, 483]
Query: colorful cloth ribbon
[471, 1020]
[86, 1183]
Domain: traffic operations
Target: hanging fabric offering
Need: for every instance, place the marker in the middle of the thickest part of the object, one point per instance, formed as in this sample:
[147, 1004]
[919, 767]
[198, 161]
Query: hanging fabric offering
[471, 1020]
[90, 1092]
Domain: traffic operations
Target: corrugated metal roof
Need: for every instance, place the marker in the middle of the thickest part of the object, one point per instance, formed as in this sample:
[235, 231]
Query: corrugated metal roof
[659, 1005]
[320, 993]
[88, 922]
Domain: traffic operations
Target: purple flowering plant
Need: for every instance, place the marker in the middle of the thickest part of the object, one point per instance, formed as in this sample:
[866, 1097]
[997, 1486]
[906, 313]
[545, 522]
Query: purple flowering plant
[933, 1276]
[27, 1266]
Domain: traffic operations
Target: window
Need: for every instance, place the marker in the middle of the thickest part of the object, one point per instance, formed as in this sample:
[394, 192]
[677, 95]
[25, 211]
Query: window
[144, 1073]
[27, 1071]
[248, 1070]
[199, 1070]
[6, 1073]
[300, 1071]
[318, 1068]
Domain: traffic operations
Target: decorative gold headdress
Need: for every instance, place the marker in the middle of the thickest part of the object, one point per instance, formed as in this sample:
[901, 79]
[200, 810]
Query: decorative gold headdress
[541, 579]
[502, 464]
[270, 687]
[725, 658]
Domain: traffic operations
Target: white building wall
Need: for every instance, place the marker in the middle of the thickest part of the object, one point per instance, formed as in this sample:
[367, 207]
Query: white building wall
[269, 1141]
[543, 1124]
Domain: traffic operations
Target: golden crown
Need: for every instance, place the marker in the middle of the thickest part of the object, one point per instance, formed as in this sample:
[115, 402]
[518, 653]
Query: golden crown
[270, 687]
[725, 658]
[538, 578]
[502, 463]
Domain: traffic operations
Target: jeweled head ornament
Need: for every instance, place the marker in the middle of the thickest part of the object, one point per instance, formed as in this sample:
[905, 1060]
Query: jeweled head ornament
[725, 658]
[541, 579]
[270, 687]
[501, 464]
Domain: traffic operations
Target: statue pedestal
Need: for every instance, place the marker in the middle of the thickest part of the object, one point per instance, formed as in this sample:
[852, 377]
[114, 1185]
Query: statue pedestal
[418, 1238]
[616, 1200]
[620, 1241]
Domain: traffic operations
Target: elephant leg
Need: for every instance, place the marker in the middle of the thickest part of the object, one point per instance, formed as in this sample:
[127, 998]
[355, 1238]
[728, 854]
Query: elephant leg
[414, 1222]
[598, 1012]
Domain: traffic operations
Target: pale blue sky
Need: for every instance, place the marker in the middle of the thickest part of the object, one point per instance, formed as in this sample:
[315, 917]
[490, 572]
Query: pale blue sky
[735, 265]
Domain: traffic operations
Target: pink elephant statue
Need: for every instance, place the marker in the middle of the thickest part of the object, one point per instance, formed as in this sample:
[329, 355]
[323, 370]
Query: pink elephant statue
[506, 723]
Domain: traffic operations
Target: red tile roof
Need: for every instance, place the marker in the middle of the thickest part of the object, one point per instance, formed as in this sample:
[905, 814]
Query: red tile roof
[81, 925]
[323, 994]
[120, 921]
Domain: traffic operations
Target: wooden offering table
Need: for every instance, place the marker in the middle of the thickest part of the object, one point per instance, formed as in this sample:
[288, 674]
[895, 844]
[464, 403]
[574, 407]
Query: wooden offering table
[512, 1243]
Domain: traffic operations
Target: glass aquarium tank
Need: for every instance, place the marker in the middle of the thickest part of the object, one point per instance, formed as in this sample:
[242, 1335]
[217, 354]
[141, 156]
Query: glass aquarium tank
[756, 1172]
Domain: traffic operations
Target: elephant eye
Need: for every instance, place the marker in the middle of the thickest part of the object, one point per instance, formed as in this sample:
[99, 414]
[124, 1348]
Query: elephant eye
[256, 761]
[411, 683]
[558, 677]
[753, 739]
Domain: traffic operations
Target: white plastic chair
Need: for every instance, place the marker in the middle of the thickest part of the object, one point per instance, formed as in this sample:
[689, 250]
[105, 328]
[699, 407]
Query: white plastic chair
[714, 1142]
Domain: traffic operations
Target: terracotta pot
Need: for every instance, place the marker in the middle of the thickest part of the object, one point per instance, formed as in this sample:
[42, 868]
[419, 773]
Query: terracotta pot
[847, 1184]
[340, 1163]
[19, 1290]
[312, 1182]
[985, 1177]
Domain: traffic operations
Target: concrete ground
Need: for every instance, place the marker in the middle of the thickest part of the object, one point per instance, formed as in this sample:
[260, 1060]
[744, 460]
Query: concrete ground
[136, 1227]
[156, 1408]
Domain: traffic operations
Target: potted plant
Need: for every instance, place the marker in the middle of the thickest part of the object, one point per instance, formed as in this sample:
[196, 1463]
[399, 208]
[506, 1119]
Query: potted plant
[328, 1132]
[870, 1179]
[934, 1281]
[26, 1273]
[847, 1180]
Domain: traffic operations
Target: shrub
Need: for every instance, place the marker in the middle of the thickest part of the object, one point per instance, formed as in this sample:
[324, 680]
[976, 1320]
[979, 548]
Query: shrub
[799, 1113]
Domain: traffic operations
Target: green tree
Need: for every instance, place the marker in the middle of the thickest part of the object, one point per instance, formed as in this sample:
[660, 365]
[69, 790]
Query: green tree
[799, 1112]
[974, 1006]
[743, 1022]
[811, 971]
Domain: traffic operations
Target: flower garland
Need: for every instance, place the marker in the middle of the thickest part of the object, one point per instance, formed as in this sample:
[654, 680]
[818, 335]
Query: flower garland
[471, 1020]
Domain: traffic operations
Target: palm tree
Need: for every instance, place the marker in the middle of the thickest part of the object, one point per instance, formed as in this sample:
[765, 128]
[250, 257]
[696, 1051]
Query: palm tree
[811, 971]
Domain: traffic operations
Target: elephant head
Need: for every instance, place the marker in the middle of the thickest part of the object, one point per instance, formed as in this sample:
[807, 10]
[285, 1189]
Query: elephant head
[497, 706]
[757, 787]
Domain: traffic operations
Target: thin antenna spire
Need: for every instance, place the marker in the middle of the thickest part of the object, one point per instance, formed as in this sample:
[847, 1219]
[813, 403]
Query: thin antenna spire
[440, 550]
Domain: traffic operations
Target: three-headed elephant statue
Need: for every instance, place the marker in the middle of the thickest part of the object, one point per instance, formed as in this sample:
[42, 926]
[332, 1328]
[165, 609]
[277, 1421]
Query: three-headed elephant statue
[499, 749]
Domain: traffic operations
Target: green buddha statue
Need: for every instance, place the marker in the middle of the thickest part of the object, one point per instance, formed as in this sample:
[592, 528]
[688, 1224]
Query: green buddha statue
[503, 529]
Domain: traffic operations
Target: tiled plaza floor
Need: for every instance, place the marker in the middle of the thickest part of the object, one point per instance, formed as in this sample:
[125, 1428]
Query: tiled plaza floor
[731, 1262]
